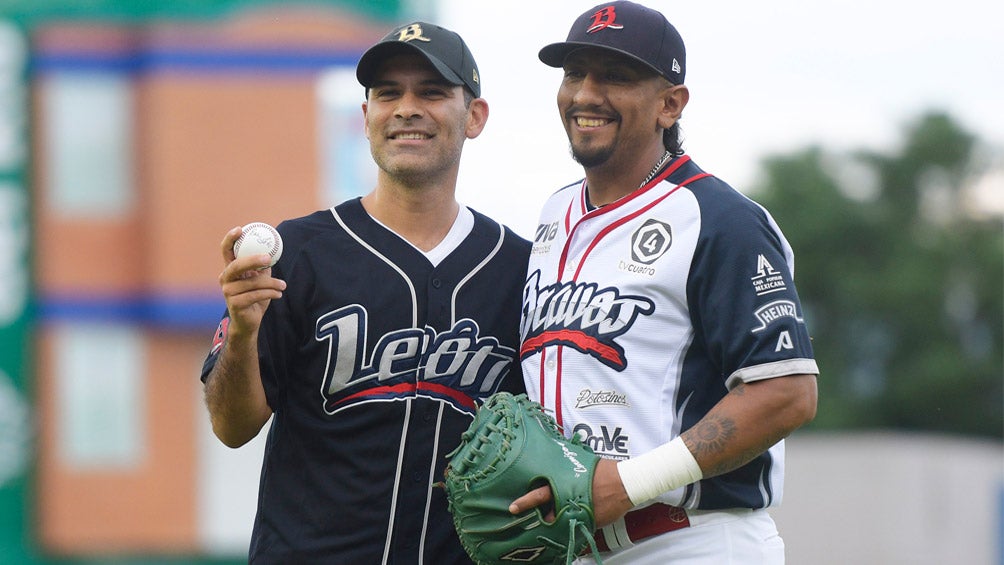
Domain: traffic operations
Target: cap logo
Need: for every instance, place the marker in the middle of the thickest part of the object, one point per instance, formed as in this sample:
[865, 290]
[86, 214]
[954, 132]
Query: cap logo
[603, 19]
[412, 32]
[676, 65]
[475, 76]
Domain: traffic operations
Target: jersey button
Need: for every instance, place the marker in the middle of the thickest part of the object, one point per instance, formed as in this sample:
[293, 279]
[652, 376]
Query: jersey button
[436, 283]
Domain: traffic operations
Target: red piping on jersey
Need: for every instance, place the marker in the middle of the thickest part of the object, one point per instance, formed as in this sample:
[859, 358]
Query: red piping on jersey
[629, 217]
[450, 392]
[540, 374]
[582, 208]
[595, 213]
[557, 390]
[407, 389]
[615, 205]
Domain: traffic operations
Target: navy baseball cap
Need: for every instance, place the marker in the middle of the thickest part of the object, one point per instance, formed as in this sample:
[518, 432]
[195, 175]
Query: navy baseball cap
[444, 49]
[631, 29]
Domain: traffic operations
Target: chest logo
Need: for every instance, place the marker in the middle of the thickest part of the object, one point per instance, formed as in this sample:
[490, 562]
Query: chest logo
[457, 366]
[651, 241]
[581, 316]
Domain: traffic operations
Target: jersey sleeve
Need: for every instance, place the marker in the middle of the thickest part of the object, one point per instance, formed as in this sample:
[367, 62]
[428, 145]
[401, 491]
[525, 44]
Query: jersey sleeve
[742, 295]
[214, 351]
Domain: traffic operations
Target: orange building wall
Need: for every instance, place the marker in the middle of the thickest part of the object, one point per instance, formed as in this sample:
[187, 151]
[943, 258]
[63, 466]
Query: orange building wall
[148, 508]
[221, 152]
[213, 149]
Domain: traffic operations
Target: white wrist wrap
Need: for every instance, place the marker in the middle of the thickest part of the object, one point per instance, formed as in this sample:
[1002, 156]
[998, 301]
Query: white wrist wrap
[665, 468]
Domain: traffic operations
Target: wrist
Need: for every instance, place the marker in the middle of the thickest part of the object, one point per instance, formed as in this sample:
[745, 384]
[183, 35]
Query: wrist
[665, 468]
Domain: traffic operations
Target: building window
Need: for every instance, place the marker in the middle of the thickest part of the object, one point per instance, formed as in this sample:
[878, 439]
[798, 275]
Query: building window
[88, 134]
[347, 168]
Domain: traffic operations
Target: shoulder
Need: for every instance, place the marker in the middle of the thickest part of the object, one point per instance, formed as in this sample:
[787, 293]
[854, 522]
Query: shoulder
[722, 207]
[566, 193]
[558, 202]
[319, 230]
[304, 227]
[506, 239]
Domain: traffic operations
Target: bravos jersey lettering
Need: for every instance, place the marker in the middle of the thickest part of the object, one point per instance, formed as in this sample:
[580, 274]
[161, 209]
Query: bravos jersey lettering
[580, 315]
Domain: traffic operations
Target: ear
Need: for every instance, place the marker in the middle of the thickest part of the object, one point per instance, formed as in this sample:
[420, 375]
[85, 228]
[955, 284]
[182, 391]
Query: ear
[477, 117]
[674, 100]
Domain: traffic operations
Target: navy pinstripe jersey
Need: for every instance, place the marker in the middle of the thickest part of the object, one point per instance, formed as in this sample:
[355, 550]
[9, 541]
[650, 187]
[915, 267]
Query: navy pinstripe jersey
[372, 362]
[639, 316]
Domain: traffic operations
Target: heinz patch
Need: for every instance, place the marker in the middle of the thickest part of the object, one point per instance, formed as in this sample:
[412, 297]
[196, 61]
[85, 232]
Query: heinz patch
[771, 312]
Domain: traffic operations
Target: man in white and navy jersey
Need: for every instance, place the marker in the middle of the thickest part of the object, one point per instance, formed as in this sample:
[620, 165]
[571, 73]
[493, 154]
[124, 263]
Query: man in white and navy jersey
[660, 318]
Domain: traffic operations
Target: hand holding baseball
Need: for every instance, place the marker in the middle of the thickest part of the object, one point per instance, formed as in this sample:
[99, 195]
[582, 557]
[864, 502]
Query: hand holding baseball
[249, 252]
[259, 238]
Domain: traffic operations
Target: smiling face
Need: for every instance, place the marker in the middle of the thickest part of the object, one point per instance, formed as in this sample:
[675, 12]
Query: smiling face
[614, 108]
[417, 122]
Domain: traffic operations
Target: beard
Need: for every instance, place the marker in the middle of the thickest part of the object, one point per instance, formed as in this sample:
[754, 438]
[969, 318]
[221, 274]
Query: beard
[590, 157]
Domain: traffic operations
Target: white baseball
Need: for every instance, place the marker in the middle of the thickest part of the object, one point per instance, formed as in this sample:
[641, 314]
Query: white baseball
[259, 238]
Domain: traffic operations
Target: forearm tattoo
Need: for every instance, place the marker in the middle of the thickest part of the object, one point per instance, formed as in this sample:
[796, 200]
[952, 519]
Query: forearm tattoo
[710, 442]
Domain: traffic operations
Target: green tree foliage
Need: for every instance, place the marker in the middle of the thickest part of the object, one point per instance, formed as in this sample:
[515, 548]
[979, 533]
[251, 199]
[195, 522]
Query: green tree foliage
[902, 285]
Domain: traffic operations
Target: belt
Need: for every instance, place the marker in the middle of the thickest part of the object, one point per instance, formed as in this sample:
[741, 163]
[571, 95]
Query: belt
[643, 523]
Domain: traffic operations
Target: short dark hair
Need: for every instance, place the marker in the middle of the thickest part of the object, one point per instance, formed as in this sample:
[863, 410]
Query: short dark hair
[468, 97]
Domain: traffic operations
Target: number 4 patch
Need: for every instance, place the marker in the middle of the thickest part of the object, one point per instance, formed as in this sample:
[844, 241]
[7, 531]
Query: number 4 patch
[651, 241]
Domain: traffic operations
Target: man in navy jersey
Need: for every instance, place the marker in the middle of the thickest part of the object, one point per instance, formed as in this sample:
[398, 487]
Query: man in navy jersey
[386, 321]
[660, 318]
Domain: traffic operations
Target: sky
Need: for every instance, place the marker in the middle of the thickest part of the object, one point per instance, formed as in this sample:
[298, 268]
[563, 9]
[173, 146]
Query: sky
[765, 78]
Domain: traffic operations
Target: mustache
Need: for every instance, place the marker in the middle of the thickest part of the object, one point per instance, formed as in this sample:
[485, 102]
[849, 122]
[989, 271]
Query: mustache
[592, 111]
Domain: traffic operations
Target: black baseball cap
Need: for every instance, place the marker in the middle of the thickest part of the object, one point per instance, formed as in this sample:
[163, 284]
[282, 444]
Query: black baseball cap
[444, 49]
[631, 29]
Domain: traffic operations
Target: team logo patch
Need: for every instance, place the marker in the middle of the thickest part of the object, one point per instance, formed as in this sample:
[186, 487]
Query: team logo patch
[767, 279]
[651, 241]
[773, 311]
[220, 337]
[545, 235]
[610, 443]
[588, 398]
[581, 316]
[605, 18]
[411, 32]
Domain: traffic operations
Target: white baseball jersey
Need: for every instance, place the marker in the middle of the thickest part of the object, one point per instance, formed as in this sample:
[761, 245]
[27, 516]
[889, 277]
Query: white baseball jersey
[640, 316]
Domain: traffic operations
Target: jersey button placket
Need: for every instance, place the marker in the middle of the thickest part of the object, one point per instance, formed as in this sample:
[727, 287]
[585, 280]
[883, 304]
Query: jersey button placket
[438, 311]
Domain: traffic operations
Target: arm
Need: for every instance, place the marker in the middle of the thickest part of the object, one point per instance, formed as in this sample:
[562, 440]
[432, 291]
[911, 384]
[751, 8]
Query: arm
[750, 419]
[744, 424]
[234, 394]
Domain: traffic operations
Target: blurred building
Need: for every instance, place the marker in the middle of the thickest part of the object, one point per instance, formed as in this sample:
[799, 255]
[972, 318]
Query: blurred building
[151, 134]
[154, 128]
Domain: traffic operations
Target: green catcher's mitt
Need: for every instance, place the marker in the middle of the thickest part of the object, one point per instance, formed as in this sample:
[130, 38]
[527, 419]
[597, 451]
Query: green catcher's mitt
[510, 448]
